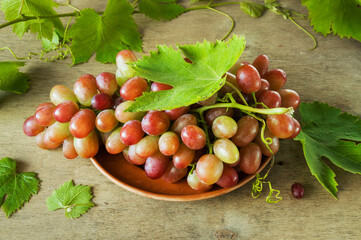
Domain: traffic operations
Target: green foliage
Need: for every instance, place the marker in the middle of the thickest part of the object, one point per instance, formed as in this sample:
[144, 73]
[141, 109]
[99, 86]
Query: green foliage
[106, 35]
[253, 9]
[43, 27]
[15, 188]
[75, 200]
[11, 80]
[338, 16]
[192, 82]
[327, 132]
[51, 45]
[160, 9]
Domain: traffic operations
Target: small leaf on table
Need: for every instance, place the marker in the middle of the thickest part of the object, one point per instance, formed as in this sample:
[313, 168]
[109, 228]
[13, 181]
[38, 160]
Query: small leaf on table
[11, 80]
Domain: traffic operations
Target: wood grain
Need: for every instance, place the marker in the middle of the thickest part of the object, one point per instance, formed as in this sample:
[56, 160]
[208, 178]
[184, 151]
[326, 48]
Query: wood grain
[330, 73]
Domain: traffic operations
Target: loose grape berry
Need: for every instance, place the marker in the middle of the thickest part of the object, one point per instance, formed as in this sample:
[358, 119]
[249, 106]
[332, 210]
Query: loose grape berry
[297, 190]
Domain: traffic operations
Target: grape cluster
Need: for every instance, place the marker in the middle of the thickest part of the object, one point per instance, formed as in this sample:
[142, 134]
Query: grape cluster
[210, 142]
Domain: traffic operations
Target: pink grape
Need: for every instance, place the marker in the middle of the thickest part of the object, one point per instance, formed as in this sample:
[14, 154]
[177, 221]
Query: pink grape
[193, 137]
[31, 128]
[183, 156]
[168, 143]
[58, 132]
[48, 143]
[209, 101]
[277, 78]
[297, 129]
[114, 144]
[173, 174]
[60, 93]
[147, 146]
[156, 165]
[124, 57]
[44, 115]
[68, 148]
[133, 157]
[106, 83]
[155, 123]
[229, 178]
[88, 146]
[261, 63]
[39, 139]
[264, 87]
[82, 123]
[251, 157]
[106, 121]
[133, 88]
[175, 113]
[156, 86]
[123, 116]
[248, 79]
[194, 182]
[182, 121]
[85, 88]
[280, 125]
[65, 111]
[102, 101]
[131, 132]
[209, 169]
[117, 101]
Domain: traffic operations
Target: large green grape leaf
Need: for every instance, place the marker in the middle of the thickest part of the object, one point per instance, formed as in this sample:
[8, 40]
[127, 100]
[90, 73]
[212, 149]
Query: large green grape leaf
[15, 188]
[106, 35]
[342, 17]
[191, 82]
[327, 132]
[43, 27]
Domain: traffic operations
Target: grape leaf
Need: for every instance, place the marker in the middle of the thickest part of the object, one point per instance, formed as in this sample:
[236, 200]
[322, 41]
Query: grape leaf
[44, 27]
[75, 200]
[191, 82]
[11, 80]
[253, 9]
[339, 16]
[50, 45]
[15, 188]
[106, 35]
[327, 132]
[160, 9]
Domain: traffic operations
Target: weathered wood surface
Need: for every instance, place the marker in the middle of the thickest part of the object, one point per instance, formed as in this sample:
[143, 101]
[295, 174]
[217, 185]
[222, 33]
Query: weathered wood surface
[331, 73]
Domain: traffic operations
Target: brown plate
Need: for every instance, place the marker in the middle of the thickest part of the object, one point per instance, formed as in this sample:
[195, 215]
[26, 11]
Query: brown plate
[134, 179]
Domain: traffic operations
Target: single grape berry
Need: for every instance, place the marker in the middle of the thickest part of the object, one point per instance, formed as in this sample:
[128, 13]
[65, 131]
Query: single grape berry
[248, 79]
[297, 190]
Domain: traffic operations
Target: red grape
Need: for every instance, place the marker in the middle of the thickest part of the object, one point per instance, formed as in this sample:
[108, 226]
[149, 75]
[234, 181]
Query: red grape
[297, 129]
[280, 125]
[274, 146]
[68, 148]
[209, 169]
[173, 174]
[48, 143]
[106, 83]
[65, 111]
[183, 157]
[82, 123]
[194, 182]
[147, 146]
[31, 128]
[251, 157]
[155, 123]
[182, 121]
[124, 57]
[271, 99]
[88, 146]
[106, 121]
[290, 98]
[156, 165]
[133, 157]
[248, 79]
[133, 88]
[113, 144]
[60, 93]
[39, 139]
[297, 190]
[58, 132]
[229, 177]
[156, 86]
[168, 143]
[277, 78]
[261, 63]
[193, 137]
[209, 101]
[214, 113]
[102, 101]
[264, 87]
[85, 88]
[44, 115]
[246, 132]
[131, 132]
[175, 113]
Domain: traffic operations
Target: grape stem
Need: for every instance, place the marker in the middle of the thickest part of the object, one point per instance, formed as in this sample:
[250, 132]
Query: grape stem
[238, 92]
[245, 109]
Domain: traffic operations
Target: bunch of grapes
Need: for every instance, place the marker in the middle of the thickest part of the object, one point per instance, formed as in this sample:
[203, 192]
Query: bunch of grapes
[209, 142]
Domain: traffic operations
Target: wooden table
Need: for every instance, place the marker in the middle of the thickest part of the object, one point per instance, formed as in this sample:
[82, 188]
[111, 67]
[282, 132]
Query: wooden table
[330, 73]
